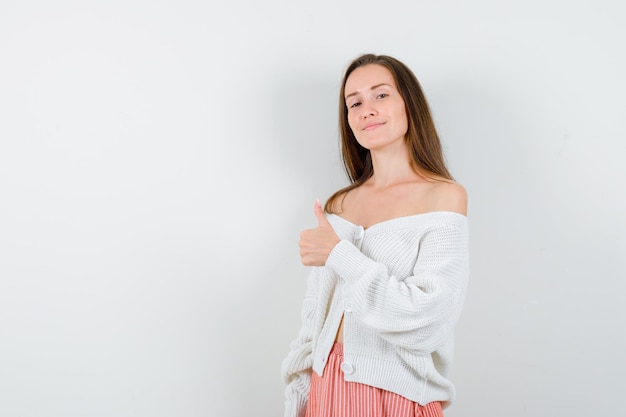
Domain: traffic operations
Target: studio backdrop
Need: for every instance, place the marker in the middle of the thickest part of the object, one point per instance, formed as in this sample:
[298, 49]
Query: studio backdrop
[158, 160]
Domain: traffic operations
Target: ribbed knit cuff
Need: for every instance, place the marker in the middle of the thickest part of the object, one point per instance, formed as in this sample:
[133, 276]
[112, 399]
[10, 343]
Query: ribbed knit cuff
[296, 407]
[348, 261]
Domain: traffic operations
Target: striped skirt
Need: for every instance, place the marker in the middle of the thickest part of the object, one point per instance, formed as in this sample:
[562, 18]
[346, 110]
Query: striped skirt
[332, 396]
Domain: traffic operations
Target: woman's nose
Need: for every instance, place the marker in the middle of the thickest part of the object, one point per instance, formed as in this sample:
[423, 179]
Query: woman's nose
[367, 111]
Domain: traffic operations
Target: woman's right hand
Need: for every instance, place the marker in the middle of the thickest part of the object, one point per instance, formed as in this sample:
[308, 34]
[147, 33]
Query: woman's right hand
[316, 244]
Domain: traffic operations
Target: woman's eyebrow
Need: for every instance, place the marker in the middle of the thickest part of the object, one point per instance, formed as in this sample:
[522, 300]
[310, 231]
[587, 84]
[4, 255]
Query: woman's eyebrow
[374, 87]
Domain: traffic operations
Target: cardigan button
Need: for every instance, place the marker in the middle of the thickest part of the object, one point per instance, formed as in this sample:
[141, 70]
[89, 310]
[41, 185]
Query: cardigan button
[347, 368]
[347, 306]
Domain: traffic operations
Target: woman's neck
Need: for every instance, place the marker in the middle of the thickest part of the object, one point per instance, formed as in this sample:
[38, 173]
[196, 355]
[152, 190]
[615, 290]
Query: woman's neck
[391, 167]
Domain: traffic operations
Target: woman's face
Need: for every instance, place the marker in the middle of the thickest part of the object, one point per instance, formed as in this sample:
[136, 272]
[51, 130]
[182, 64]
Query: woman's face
[376, 111]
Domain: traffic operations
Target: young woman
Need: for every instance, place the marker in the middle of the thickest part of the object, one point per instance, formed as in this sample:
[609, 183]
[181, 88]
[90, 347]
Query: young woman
[389, 260]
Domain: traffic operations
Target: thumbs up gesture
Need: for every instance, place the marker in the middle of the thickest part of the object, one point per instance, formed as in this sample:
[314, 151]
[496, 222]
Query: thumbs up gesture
[316, 244]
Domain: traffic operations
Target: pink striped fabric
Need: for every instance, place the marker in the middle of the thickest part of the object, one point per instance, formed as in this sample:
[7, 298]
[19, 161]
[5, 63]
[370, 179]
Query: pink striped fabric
[332, 396]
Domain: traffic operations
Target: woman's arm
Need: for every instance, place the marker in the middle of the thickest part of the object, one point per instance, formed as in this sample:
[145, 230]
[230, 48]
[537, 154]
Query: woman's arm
[296, 367]
[419, 312]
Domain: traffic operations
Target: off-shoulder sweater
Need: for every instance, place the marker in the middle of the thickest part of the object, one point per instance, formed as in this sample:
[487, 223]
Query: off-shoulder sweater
[400, 286]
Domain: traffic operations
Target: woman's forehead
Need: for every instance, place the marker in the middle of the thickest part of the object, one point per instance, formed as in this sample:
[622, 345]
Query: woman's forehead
[368, 76]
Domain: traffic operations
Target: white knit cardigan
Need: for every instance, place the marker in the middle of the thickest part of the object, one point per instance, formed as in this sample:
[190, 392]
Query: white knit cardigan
[400, 286]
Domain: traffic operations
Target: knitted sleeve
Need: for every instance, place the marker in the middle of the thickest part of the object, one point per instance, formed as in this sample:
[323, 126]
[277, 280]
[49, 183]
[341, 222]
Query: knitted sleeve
[418, 312]
[297, 366]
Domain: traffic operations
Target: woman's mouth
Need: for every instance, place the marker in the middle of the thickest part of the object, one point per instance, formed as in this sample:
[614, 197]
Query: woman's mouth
[372, 126]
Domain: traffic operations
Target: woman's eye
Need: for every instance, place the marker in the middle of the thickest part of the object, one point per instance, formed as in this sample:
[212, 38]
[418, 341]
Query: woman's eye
[382, 95]
[355, 104]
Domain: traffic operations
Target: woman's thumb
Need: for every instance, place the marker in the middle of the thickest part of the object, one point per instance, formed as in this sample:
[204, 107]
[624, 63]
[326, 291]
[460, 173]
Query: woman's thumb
[319, 213]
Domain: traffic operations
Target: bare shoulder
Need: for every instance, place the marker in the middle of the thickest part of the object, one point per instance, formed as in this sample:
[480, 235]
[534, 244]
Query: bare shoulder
[448, 196]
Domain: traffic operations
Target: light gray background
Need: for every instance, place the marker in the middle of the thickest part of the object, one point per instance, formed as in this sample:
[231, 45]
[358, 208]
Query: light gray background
[158, 160]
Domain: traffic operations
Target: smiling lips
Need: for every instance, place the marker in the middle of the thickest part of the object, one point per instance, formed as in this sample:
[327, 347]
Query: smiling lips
[372, 126]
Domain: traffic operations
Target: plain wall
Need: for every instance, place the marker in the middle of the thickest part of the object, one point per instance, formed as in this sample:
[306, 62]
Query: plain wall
[158, 160]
